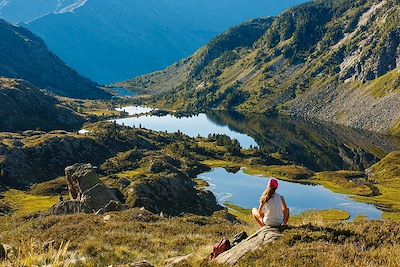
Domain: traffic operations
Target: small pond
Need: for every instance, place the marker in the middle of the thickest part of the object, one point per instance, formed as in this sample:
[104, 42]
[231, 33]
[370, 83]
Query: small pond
[245, 190]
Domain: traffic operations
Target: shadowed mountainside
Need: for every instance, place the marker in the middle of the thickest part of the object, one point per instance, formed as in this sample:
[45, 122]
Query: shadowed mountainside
[24, 107]
[25, 56]
[111, 41]
[17, 11]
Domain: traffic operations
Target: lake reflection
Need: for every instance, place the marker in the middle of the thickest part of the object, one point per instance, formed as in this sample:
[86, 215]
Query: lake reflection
[315, 145]
[135, 110]
[244, 191]
[192, 126]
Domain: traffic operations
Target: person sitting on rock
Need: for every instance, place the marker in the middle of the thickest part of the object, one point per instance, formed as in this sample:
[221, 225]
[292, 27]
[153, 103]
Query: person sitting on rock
[273, 210]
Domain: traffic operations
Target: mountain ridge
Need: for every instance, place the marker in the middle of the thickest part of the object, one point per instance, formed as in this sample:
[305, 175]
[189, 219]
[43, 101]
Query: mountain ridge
[330, 60]
[21, 11]
[25, 56]
[110, 41]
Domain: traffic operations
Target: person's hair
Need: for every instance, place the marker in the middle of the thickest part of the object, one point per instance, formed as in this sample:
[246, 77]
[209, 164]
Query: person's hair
[267, 195]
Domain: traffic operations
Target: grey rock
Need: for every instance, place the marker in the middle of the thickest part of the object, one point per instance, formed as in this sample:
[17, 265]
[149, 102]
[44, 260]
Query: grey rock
[172, 194]
[66, 207]
[87, 192]
[141, 264]
[2, 252]
[97, 198]
[178, 261]
[111, 206]
[80, 177]
[254, 242]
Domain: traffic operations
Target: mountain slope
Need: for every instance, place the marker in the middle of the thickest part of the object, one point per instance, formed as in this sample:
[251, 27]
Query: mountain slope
[25, 56]
[24, 107]
[110, 41]
[332, 60]
[17, 11]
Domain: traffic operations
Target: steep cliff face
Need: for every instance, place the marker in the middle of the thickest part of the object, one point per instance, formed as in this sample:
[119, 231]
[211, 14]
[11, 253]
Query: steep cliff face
[25, 56]
[24, 107]
[331, 60]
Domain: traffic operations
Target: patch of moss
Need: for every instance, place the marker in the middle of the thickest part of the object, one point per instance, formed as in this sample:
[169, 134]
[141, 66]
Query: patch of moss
[284, 172]
[345, 182]
[23, 203]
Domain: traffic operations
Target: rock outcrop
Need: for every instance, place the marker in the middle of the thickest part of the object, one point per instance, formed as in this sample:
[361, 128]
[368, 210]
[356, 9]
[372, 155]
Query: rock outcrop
[2, 252]
[172, 194]
[254, 242]
[24, 107]
[88, 194]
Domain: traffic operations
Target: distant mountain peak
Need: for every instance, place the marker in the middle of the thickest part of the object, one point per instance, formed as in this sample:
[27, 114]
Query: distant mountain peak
[111, 41]
[72, 7]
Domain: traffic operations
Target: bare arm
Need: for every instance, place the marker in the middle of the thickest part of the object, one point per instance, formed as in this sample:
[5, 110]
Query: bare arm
[285, 211]
[261, 209]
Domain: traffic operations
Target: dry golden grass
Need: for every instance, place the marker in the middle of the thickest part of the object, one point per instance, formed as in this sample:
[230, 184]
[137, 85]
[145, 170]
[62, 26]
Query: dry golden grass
[125, 237]
[134, 235]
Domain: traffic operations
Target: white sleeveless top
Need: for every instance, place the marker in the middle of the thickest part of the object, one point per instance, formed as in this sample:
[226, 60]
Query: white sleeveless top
[273, 215]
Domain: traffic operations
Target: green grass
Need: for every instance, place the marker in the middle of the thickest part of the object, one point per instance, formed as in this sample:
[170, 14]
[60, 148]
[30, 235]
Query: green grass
[51, 188]
[211, 146]
[340, 182]
[384, 84]
[23, 203]
[215, 163]
[241, 214]
[319, 217]
[291, 173]
[131, 174]
[103, 113]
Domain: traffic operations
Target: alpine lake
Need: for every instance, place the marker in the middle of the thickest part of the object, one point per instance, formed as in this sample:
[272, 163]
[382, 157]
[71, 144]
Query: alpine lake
[315, 145]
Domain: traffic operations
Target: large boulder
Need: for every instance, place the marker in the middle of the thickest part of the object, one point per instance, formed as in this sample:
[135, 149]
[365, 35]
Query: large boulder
[88, 194]
[254, 242]
[98, 197]
[80, 177]
[66, 207]
[171, 194]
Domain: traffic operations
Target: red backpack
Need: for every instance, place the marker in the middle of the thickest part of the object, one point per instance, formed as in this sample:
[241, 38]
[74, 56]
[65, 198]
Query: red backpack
[220, 248]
